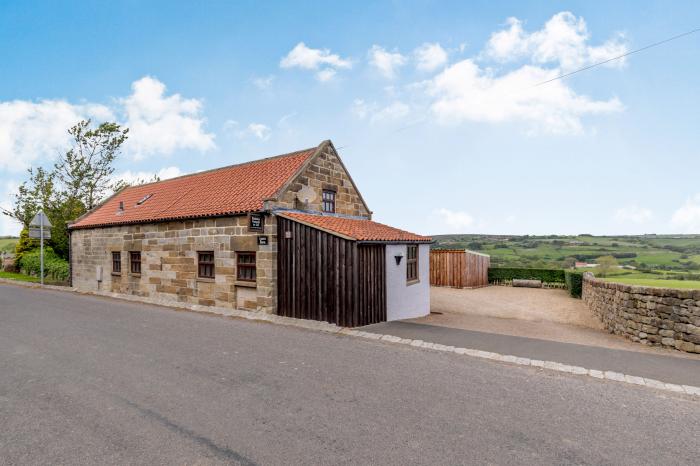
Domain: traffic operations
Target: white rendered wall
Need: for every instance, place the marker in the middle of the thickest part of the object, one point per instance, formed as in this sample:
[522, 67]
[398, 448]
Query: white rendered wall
[405, 301]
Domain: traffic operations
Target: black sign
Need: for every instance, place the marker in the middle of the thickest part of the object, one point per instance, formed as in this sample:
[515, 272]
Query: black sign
[256, 222]
[262, 240]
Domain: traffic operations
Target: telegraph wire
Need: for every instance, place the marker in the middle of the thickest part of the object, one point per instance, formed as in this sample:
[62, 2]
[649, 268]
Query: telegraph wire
[646, 47]
[566, 75]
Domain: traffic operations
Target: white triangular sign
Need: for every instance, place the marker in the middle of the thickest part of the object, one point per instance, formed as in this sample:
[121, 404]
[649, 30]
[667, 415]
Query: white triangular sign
[36, 221]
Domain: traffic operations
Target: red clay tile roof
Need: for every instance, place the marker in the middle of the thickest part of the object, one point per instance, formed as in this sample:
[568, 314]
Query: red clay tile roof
[357, 229]
[224, 191]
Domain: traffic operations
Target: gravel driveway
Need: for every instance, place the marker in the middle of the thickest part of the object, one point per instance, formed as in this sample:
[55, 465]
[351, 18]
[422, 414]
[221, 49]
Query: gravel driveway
[505, 302]
[545, 314]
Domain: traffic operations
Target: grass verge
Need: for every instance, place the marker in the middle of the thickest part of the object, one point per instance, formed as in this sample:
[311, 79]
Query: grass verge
[19, 277]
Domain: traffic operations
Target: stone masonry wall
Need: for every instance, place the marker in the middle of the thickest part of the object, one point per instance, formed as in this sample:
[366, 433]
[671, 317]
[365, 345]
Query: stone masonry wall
[169, 261]
[325, 172]
[654, 316]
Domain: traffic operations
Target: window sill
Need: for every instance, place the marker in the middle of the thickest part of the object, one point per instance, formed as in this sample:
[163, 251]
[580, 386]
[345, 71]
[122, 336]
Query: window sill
[412, 282]
[246, 284]
[206, 280]
[116, 274]
[137, 275]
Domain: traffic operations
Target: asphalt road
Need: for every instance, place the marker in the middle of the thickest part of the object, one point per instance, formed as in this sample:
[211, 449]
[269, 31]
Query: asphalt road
[667, 368]
[86, 380]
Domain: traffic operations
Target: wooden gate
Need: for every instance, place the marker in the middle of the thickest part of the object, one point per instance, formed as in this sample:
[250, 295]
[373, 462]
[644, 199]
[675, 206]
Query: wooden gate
[324, 277]
[459, 268]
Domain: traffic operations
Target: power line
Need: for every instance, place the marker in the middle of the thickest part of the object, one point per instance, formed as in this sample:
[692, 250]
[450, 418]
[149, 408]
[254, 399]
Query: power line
[562, 76]
[565, 75]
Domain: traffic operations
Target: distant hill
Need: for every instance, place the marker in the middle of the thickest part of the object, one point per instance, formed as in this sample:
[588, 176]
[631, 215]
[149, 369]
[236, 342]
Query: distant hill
[7, 243]
[660, 253]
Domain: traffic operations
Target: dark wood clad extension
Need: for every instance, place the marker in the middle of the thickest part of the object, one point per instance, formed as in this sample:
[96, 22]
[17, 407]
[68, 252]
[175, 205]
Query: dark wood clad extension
[324, 277]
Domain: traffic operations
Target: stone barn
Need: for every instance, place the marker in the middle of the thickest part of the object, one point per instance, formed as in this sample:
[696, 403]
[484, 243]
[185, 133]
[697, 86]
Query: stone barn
[289, 235]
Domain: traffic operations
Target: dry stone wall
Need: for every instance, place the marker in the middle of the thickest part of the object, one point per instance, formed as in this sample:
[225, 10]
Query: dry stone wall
[169, 261]
[655, 316]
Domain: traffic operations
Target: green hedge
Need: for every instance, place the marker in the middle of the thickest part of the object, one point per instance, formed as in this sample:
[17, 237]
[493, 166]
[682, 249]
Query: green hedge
[510, 273]
[574, 283]
[55, 268]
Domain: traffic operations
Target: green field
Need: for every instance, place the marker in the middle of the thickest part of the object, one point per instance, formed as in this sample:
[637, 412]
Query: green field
[659, 283]
[652, 260]
[7, 244]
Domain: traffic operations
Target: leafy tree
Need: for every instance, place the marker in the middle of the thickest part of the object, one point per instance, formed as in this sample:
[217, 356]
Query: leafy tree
[32, 194]
[606, 264]
[24, 245]
[569, 262]
[85, 170]
[78, 181]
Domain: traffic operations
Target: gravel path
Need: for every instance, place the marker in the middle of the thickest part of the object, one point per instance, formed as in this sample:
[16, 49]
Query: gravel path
[545, 314]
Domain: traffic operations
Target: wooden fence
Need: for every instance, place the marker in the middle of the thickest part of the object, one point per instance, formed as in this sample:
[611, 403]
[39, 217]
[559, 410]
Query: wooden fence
[459, 268]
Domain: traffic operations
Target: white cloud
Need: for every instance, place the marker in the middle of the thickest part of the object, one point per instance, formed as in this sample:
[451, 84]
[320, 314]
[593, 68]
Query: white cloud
[633, 214]
[472, 90]
[263, 83]
[30, 131]
[687, 217]
[256, 130]
[455, 221]
[8, 225]
[326, 74]
[386, 62]
[307, 58]
[146, 177]
[35, 132]
[563, 40]
[430, 57]
[160, 124]
[393, 111]
[375, 113]
[259, 130]
[467, 92]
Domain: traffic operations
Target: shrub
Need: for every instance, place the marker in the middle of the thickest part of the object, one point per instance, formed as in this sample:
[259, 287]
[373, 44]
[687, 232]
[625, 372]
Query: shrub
[55, 268]
[510, 273]
[574, 283]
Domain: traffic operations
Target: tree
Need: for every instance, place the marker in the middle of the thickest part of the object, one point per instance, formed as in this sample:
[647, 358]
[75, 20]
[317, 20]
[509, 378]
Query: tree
[569, 262]
[31, 195]
[85, 170]
[79, 180]
[25, 244]
[606, 264]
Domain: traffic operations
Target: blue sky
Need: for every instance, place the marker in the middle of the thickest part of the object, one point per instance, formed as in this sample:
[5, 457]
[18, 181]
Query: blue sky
[433, 105]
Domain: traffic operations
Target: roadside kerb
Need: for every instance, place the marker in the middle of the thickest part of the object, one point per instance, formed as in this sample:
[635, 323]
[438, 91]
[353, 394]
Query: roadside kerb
[392, 339]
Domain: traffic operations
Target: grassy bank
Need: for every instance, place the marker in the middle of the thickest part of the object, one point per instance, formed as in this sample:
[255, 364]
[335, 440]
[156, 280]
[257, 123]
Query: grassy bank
[19, 277]
[8, 244]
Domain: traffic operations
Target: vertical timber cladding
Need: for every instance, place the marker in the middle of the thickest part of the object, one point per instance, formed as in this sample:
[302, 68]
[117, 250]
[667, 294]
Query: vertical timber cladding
[324, 277]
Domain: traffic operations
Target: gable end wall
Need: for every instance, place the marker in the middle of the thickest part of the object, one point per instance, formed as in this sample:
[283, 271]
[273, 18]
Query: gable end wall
[325, 170]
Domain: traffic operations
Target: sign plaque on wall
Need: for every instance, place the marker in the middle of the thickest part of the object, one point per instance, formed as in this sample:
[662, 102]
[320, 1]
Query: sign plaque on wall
[262, 240]
[257, 222]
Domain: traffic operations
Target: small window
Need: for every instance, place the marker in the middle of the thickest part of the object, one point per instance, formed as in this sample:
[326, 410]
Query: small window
[412, 263]
[116, 262]
[328, 200]
[135, 261]
[245, 265]
[206, 264]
